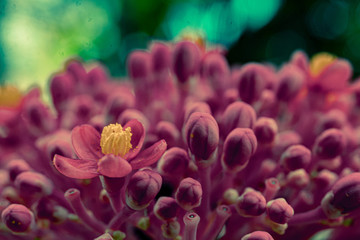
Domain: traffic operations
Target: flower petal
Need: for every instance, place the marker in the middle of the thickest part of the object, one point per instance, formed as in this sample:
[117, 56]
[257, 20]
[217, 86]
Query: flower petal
[150, 155]
[76, 168]
[112, 166]
[86, 142]
[137, 138]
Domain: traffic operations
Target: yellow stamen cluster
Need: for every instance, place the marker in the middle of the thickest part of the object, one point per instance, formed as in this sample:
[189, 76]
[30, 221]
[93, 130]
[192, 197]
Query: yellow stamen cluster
[9, 96]
[319, 62]
[115, 140]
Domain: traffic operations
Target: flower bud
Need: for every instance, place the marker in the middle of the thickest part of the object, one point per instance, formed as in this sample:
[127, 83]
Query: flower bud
[61, 88]
[186, 58]
[332, 119]
[284, 140]
[18, 218]
[160, 57]
[279, 211]
[258, 235]
[105, 236]
[298, 178]
[166, 208]
[330, 144]
[251, 203]
[171, 229]
[142, 189]
[174, 162]
[291, 80]
[251, 82]
[344, 196]
[239, 146]
[118, 103]
[296, 157]
[189, 193]
[139, 64]
[202, 135]
[76, 70]
[17, 166]
[215, 69]
[237, 115]
[196, 107]
[96, 76]
[130, 114]
[32, 183]
[168, 131]
[265, 130]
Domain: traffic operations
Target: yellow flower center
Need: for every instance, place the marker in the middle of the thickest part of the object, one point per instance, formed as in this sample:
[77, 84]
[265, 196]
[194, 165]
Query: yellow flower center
[319, 62]
[9, 96]
[115, 140]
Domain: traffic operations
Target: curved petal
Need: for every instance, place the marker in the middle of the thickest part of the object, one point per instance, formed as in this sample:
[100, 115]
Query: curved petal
[114, 167]
[150, 155]
[137, 138]
[336, 76]
[76, 168]
[86, 142]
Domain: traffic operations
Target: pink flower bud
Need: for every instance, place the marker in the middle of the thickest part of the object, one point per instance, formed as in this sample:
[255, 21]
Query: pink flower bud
[18, 218]
[284, 140]
[166, 208]
[237, 115]
[330, 144]
[189, 193]
[32, 183]
[139, 64]
[130, 114]
[76, 70]
[279, 211]
[202, 135]
[251, 82]
[142, 189]
[118, 103]
[239, 146]
[251, 203]
[168, 131]
[291, 80]
[296, 157]
[265, 130]
[96, 76]
[196, 107]
[215, 69]
[174, 162]
[258, 235]
[17, 166]
[160, 57]
[186, 58]
[61, 88]
[344, 197]
[170, 229]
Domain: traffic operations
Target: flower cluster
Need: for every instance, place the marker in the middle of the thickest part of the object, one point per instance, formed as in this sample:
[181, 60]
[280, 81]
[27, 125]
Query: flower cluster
[184, 148]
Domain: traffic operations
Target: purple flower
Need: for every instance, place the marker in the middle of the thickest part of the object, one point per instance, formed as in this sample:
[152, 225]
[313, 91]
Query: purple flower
[142, 188]
[239, 146]
[251, 203]
[189, 193]
[202, 135]
[18, 218]
[114, 153]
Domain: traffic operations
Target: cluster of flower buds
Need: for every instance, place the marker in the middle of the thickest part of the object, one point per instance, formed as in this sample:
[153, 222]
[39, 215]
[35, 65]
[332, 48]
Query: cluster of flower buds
[186, 147]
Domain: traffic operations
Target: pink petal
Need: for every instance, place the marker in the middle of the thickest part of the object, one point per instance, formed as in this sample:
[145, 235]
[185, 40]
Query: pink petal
[150, 155]
[114, 167]
[86, 142]
[137, 138]
[336, 76]
[76, 168]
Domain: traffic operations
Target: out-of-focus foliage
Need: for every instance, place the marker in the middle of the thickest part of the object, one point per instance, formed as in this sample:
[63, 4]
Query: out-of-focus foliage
[37, 36]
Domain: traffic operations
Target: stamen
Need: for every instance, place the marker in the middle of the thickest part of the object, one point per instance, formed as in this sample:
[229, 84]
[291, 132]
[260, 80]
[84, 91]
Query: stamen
[116, 140]
[319, 62]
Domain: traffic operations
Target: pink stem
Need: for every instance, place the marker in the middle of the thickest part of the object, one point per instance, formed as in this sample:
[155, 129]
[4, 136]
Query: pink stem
[73, 197]
[191, 221]
[311, 216]
[222, 213]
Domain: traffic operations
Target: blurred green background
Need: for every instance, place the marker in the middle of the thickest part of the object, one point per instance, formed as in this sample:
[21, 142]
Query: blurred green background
[37, 36]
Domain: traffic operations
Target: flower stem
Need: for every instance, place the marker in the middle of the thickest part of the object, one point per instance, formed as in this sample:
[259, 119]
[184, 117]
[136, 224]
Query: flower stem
[222, 213]
[191, 221]
[73, 197]
[311, 216]
[121, 217]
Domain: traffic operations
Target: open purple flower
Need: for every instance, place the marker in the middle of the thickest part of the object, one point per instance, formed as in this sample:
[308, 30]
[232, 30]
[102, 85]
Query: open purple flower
[114, 153]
